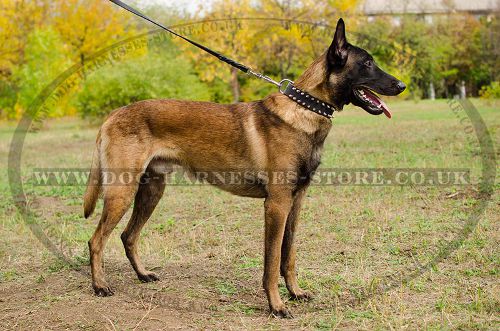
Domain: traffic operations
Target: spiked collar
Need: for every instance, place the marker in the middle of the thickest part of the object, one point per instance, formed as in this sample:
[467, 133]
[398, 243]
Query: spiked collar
[306, 100]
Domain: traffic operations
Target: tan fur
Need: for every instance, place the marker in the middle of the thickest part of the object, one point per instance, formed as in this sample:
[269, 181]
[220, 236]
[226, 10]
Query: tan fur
[257, 144]
[94, 183]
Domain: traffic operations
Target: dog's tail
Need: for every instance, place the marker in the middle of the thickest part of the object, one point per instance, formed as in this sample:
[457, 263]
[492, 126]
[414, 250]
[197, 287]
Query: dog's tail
[94, 182]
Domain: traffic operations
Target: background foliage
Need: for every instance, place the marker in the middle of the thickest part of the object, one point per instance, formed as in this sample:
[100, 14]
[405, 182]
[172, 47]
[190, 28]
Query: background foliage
[40, 39]
[147, 77]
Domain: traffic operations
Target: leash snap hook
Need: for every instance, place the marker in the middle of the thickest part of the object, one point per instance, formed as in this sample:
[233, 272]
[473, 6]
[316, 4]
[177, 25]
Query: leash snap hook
[283, 85]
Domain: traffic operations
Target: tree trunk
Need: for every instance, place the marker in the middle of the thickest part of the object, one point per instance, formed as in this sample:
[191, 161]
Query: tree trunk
[235, 85]
[432, 91]
[463, 93]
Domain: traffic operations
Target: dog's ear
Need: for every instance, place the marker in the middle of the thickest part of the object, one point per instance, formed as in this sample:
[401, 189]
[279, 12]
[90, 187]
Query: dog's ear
[337, 53]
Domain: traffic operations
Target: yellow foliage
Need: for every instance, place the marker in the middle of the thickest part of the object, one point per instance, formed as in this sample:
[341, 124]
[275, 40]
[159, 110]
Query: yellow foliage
[17, 19]
[88, 26]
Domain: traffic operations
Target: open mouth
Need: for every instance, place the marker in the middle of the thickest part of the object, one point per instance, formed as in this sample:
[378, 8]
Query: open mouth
[370, 102]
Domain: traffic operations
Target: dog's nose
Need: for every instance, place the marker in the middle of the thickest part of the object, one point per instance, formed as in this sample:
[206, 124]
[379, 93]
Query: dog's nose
[401, 86]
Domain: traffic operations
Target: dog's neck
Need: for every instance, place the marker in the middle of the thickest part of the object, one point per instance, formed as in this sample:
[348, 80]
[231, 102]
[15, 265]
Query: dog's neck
[317, 81]
[314, 81]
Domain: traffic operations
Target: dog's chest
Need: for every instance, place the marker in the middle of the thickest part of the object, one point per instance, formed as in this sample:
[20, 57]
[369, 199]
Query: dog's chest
[309, 162]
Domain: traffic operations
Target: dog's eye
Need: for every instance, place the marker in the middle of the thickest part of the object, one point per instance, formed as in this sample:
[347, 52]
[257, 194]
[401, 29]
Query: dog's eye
[368, 63]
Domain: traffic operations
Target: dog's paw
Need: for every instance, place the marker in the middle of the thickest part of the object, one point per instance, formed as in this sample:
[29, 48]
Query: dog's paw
[281, 312]
[148, 277]
[302, 296]
[103, 291]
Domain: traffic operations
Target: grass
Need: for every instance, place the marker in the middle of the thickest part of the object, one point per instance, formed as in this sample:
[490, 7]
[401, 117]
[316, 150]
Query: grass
[207, 245]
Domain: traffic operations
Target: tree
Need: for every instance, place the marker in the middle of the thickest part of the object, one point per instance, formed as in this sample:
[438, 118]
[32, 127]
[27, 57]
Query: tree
[224, 36]
[45, 55]
[36, 35]
[18, 19]
[87, 26]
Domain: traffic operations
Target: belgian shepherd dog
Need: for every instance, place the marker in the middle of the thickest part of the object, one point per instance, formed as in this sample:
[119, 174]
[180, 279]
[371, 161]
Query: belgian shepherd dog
[270, 135]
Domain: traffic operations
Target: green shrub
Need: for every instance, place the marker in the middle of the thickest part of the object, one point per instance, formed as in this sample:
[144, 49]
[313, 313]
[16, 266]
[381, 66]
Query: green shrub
[491, 91]
[152, 76]
[8, 98]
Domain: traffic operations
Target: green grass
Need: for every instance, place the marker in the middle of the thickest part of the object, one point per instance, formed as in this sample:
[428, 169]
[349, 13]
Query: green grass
[207, 245]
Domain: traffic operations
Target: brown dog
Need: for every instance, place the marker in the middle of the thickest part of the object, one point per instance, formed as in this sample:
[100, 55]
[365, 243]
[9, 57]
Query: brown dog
[275, 134]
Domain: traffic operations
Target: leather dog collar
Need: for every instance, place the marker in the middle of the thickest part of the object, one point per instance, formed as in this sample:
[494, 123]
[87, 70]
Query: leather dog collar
[308, 101]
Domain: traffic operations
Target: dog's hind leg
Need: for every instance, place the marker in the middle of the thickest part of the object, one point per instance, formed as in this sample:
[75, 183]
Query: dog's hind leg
[147, 197]
[119, 162]
[117, 200]
[288, 251]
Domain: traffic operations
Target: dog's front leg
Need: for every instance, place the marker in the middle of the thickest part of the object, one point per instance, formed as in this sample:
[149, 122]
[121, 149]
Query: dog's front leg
[288, 251]
[277, 206]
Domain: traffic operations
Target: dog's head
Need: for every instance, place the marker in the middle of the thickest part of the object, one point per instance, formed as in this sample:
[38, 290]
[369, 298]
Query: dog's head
[354, 77]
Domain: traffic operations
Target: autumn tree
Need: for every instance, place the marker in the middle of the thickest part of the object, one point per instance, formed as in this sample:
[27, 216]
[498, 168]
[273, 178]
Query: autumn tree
[18, 19]
[220, 30]
[87, 26]
[38, 37]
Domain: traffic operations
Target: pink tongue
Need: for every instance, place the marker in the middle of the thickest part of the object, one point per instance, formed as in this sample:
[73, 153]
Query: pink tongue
[386, 110]
[378, 102]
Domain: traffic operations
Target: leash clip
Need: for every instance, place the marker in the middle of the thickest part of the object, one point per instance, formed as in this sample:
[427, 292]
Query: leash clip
[283, 85]
[263, 77]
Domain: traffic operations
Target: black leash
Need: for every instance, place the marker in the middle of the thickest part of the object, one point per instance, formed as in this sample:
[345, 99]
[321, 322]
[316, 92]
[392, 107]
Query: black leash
[285, 85]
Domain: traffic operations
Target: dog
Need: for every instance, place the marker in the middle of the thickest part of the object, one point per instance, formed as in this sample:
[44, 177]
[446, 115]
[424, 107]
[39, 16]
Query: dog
[272, 134]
